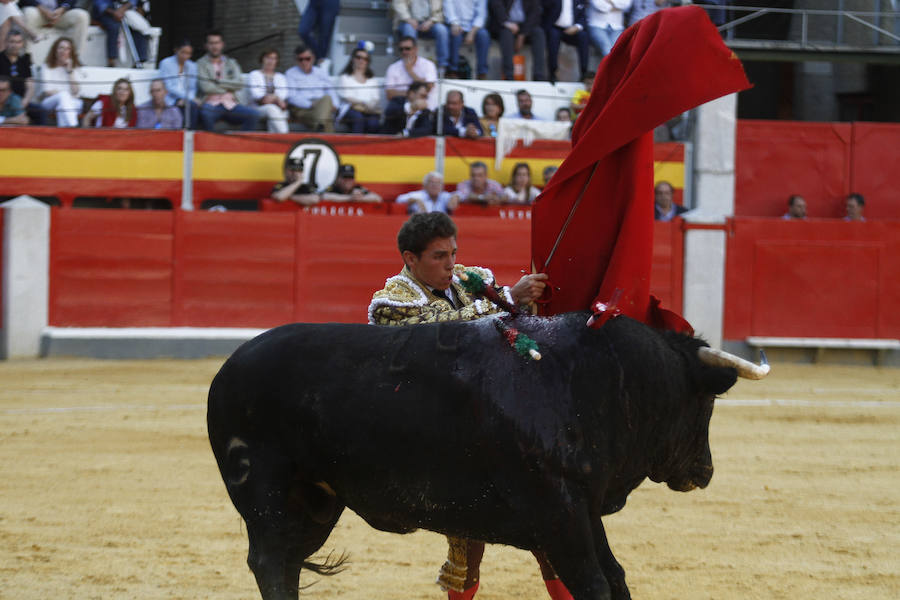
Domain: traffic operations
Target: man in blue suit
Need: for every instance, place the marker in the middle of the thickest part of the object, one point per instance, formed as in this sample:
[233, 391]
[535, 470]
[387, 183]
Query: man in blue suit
[566, 21]
[459, 119]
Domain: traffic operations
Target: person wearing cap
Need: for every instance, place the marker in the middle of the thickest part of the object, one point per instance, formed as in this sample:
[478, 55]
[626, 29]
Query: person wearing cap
[293, 187]
[346, 189]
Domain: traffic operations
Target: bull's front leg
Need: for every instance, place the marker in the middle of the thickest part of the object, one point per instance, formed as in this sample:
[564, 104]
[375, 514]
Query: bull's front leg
[571, 550]
[615, 574]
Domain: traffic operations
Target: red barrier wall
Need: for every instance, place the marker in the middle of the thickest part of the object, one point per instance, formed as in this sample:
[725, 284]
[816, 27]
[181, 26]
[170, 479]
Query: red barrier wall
[822, 162]
[2, 213]
[874, 167]
[818, 278]
[774, 159]
[148, 268]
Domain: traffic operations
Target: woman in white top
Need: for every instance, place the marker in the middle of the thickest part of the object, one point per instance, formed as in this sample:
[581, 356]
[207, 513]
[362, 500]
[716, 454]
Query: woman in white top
[360, 95]
[269, 90]
[520, 190]
[60, 77]
[606, 21]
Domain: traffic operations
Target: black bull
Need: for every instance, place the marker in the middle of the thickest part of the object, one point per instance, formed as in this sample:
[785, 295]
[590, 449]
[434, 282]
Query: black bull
[444, 427]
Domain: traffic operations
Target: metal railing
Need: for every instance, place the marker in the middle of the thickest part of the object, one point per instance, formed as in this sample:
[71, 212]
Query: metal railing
[813, 29]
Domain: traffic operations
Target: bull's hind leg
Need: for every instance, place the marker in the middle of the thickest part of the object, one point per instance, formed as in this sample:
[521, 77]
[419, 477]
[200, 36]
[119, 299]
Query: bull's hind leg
[287, 519]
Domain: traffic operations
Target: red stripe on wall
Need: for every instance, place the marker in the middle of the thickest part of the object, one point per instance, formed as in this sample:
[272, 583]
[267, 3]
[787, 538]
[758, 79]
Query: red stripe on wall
[668, 152]
[66, 189]
[61, 138]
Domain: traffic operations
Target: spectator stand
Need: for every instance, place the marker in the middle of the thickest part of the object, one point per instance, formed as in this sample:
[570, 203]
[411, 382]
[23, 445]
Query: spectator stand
[94, 52]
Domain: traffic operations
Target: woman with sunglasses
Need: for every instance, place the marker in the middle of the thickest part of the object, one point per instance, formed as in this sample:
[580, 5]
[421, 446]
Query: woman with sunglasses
[360, 95]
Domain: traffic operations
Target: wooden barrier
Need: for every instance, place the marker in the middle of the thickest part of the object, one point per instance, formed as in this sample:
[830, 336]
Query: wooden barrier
[246, 269]
[817, 278]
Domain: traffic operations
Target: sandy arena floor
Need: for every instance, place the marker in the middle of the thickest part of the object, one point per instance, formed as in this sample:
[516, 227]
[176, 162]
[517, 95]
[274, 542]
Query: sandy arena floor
[109, 490]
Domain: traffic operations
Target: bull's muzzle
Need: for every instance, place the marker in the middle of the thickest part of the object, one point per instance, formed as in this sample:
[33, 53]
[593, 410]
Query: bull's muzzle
[745, 368]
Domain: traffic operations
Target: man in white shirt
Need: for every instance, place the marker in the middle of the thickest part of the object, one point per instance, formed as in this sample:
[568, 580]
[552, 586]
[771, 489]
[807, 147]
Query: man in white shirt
[311, 96]
[411, 67]
[606, 22]
[431, 198]
[62, 15]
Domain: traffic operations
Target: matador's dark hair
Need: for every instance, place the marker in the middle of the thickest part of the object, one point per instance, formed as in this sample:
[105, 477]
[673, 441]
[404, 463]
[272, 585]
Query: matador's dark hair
[421, 228]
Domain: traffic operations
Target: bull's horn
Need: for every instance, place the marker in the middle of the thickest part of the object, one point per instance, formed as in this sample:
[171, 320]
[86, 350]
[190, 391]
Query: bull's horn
[745, 368]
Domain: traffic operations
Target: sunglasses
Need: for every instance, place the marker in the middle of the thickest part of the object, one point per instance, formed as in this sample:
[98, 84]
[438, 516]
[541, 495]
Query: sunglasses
[405, 48]
[361, 57]
[304, 58]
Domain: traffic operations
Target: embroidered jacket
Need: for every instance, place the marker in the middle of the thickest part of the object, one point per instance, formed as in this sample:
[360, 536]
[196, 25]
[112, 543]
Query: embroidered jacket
[406, 301]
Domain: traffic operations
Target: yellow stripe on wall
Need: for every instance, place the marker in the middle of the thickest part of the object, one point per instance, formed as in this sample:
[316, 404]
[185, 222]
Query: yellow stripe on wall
[260, 166]
[673, 172]
[265, 166]
[91, 164]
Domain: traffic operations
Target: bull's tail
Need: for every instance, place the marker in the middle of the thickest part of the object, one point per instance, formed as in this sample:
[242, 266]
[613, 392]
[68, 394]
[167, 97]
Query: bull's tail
[329, 566]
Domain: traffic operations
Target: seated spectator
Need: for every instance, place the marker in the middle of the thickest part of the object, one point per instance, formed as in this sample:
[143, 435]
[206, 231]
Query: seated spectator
[564, 114]
[566, 21]
[664, 208]
[467, 19]
[61, 90]
[157, 113]
[62, 15]
[11, 17]
[548, 173]
[311, 97]
[606, 22]
[179, 73]
[460, 120]
[114, 110]
[411, 67]
[409, 116]
[520, 190]
[491, 111]
[317, 26]
[218, 79]
[514, 22]
[796, 208]
[414, 18]
[524, 102]
[16, 64]
[431, 198]
[478, 189]
[111, 14]
[645, 8]
[855, 206]
[346, 189]
[11, 110]
[293, 187]
[360, 95]
[269, 89]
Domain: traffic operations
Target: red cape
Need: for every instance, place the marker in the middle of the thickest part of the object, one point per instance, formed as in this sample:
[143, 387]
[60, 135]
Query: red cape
[660, 67]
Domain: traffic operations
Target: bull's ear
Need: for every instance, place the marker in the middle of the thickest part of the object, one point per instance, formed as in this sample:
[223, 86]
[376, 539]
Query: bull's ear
[718, 380]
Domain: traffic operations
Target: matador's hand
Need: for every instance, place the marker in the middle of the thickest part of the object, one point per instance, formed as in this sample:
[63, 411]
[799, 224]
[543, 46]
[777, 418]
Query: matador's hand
[529, 288]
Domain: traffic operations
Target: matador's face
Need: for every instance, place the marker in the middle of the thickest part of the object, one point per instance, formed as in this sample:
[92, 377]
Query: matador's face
[434, 266]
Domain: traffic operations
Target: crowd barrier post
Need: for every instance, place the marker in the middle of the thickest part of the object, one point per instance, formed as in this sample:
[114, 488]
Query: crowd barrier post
[26, 276]
[187, 173]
